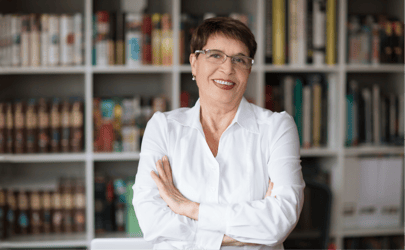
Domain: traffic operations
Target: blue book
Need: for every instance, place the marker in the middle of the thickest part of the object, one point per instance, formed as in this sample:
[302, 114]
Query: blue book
[298, 107]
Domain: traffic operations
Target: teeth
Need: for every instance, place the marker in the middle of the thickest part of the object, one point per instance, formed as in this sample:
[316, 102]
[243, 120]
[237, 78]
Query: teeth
[223, 82]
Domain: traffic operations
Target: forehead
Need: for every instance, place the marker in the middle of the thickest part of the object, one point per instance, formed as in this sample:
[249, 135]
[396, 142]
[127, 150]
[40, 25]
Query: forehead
[228, 45]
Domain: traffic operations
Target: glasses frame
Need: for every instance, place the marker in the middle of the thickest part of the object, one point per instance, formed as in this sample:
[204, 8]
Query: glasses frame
[226, 56]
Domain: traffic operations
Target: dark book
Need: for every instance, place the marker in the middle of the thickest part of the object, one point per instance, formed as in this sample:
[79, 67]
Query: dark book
[11, 222]
[120, 39]
[109, 218]
[19, 127]
[398, 42]
[99, 202]
[3, 209]
[146, 39]
[79, 210]
[23, 219]
[35, 214]
[120, 204]
[2, 128]
[111, 38]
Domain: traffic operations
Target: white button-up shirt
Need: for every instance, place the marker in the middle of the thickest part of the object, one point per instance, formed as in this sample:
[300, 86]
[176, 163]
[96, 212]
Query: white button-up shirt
[257, 146]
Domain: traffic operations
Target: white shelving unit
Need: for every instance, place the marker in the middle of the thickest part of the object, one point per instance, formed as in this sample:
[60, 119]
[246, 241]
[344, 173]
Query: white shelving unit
[88, 82]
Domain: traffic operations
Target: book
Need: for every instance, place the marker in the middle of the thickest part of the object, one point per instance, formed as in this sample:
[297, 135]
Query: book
[133, 39]
[94, 41]
[35, 43]
[293, 40]
[301, 28]
[398, 42]
[78, 39]
[298, 107]
[2, 127]
[351, 193]
[307, 115]
[103, 19]
[44, 39]
[279, 32]
[269, 38]
[16, 40]
[76, 124]
[315, 83]
[43, 126]
[19, 127]
[31, 125]
[288, 85]
[319, 22]
[331, 32]
[120, 39]
[66, 40]
[156, 39]
[147, 39]
[117, 125]
[55, 125]
[368, 119]
[25, 41]
[54, 40]
[99, 202]
[167, 40]
[65, 126]
[376, 114]
[3, 209]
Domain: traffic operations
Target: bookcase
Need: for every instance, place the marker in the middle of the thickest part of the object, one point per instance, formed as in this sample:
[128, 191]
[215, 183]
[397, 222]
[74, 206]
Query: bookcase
[89, 81]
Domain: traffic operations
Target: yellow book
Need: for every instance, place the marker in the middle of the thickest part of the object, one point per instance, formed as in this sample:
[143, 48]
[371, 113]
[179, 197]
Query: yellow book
[278, 32]
[156, 39]
[331, 32]
[167, 40]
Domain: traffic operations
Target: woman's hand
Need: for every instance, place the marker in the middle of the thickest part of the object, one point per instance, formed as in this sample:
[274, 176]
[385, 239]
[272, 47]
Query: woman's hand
[228, 241]
[268, 193]
[169, 193]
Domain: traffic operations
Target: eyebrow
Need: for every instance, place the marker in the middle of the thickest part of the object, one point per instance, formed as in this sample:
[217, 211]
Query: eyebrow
[239, 54]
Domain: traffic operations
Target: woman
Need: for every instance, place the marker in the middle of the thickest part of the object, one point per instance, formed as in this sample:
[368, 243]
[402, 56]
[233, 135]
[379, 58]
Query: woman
[204, 173]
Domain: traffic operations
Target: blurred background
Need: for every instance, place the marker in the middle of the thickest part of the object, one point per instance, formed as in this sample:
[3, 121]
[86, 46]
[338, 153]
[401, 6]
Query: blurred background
[80, 79]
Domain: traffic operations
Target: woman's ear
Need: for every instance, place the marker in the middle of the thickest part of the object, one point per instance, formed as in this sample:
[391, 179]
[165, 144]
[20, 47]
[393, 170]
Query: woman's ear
[193, 61]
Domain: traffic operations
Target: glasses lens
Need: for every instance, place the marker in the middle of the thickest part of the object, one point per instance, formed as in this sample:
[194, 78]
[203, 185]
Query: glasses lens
[215, 56]
[242, 61]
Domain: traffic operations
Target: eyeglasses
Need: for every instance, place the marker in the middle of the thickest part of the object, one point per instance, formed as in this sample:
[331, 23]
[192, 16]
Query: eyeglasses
[219, 57]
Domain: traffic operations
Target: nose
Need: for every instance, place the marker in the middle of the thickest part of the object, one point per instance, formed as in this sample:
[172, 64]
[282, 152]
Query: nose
[227, 67]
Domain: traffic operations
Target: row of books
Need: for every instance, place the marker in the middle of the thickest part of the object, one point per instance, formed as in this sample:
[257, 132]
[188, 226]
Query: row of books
[41, 125]
[300, 32]
[375, 242]
[190, 22]
[132, 39]
[374, 117]
[374, 40]
[306, 99]
[41, 40]
[119, 122]
[114, 211]
[25, 212]
[373, 193]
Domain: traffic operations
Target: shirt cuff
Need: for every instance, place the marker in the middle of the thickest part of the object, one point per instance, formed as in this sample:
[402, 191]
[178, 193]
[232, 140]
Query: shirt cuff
[212, 217]
[205, 239]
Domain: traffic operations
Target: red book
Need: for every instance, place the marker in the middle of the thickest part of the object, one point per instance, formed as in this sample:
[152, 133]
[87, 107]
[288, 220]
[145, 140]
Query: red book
[146, 39]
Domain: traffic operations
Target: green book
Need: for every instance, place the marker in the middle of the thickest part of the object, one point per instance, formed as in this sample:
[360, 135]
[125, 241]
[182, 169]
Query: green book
[298, 106]
[132, 225]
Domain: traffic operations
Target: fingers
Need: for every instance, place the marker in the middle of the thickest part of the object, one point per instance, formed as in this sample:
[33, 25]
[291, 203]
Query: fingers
[168, 169]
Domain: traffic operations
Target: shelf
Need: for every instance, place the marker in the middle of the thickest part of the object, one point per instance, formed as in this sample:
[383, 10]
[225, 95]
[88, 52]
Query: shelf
[50, 157]
[373, 150]
[49, 240]
[372, 232]
[383, 68]
[42, 70]
[116, 235]
[126, 156]
[313, 152]
[301, 69]
[128, 69]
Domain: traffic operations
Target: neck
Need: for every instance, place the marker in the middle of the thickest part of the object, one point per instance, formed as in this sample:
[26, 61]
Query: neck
[216, 118]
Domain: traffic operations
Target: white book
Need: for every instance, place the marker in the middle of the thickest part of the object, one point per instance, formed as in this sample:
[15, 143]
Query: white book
[319, 31]
[44, 39]
[366, 94]
[292, 32]
[16, 37]
[25, 41]
[288, 85]
[301, 32]
[66, 40]
[332, 110]
[368, 191]
[376, 115]
[101, 42]
[54, 40]
[389, 195]
[134, 39]
[307, 115]
[35, 42]
[401, 116]
[78, 40]
[351, 192]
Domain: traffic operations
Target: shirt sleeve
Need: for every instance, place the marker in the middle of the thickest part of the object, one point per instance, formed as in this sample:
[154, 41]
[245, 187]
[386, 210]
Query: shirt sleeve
[156, 220]
[268, 221]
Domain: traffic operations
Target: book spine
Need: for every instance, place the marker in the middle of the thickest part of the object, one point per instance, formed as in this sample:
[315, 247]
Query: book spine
[306, 103]
[387, 45]
[54, 40]
[36, 221]
[293, 32]
[376, 114]
[76, 124]
[375, 46]
[66, 40]
[44, 39]
[43, 126]
[353, 87]
[120, 41]
[167, 40]
[401, 116]
[133, 39]
[317, 112]
[117, 124]
[331, 32]
[16, 38]
[19, 123]
[398, 43]
[298, 108]
[46, 212]
[65, 126]
[55, 125]
[35, 51]
[366, 94]
[25, 41]
[99, 203]
[31, 125]
[288, 86]
[23, 219]
[156, 39]
[278, 32]
[349, 117]
[3, 210]
[8, 43]
[2, 129]
[57, 211]
[319, 13]
[301, 29]
[9, 128]
[108, 216]
[392, 117]
[269, 24]
[103, 18]
[2, 47]
[67, 205]
[146, 39]
[79, 214]
[11, 229]
[111, 36]
[78, 39]
[94, 40]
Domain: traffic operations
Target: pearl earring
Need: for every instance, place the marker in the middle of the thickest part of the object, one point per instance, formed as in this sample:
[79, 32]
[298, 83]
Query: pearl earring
[193, 78]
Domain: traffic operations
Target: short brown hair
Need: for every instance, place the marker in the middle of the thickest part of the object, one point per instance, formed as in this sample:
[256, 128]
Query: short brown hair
[226, 26]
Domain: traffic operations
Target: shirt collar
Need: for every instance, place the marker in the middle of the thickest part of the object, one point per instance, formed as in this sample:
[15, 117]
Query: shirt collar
[245, 117]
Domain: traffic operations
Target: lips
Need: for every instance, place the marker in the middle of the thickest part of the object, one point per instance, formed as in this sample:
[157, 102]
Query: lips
[223, 86]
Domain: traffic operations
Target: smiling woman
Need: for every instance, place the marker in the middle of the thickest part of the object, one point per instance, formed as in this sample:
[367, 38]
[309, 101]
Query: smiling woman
[225, 173]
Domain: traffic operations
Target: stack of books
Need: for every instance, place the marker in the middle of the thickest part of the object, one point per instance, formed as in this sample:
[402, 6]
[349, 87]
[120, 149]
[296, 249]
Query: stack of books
[31, 40]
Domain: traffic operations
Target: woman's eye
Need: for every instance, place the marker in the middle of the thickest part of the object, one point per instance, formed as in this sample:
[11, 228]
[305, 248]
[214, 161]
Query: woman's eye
[217, 56]
[239, 60]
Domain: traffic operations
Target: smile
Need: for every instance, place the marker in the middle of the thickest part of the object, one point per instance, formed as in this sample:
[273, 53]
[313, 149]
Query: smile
[224, 82]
